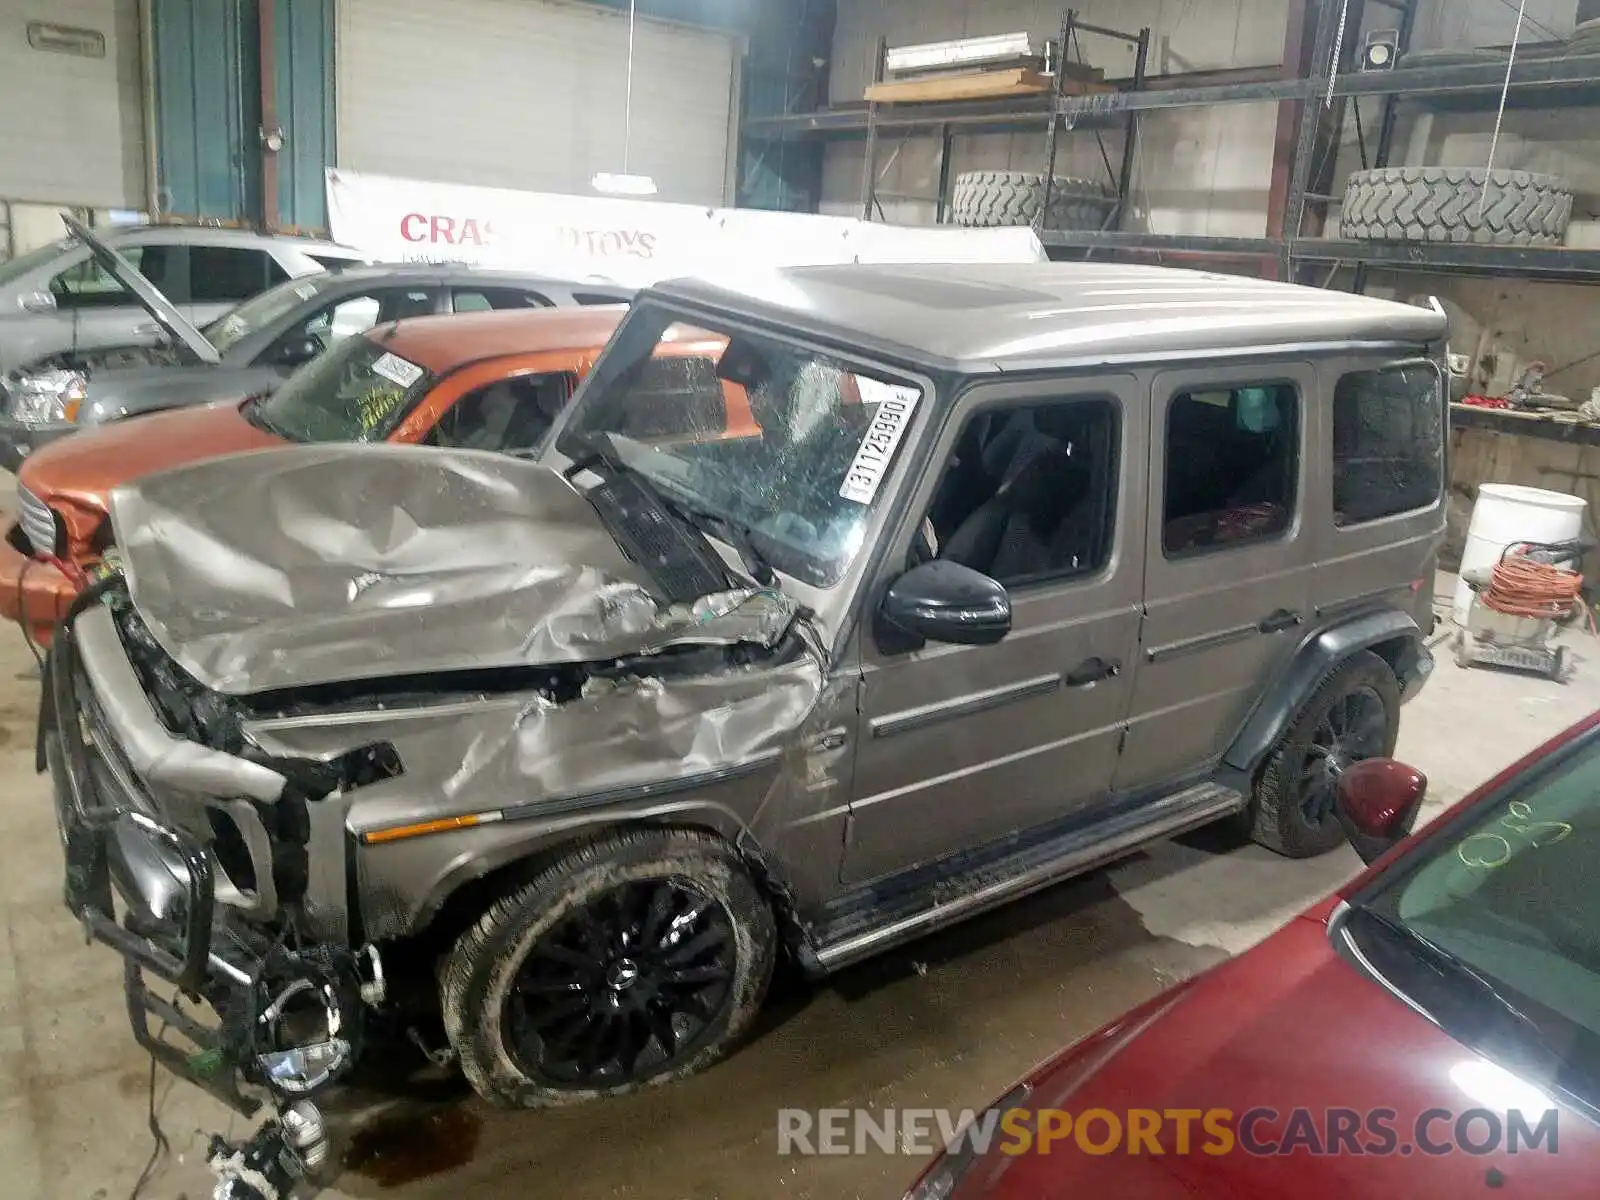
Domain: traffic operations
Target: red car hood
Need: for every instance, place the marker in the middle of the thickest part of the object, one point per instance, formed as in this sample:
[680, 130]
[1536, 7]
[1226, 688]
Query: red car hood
[79, 472]
[1288, 1025]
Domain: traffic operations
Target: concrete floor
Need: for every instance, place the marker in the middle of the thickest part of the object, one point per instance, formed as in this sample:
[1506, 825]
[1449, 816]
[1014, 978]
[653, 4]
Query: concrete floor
[950, 1020]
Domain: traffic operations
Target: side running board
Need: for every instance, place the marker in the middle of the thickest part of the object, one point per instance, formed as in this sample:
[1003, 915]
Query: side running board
[857, 935]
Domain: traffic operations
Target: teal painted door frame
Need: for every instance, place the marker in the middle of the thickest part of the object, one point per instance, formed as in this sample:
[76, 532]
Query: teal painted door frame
[208, 109]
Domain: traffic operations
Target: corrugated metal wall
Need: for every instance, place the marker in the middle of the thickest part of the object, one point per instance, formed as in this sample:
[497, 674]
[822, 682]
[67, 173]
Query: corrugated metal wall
[530, 94]
[1201, 171]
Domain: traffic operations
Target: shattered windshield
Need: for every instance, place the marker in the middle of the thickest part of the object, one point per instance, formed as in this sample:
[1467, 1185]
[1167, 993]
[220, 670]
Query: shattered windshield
[356, 392]
[260, 312]
[787, 446]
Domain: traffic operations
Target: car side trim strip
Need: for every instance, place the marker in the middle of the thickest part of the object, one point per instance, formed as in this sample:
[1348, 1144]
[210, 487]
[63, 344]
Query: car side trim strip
[1350, 603]
[963, 706]
[1206, 641]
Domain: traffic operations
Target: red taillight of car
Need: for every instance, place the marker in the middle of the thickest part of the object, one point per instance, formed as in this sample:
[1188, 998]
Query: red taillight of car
[1380, 793]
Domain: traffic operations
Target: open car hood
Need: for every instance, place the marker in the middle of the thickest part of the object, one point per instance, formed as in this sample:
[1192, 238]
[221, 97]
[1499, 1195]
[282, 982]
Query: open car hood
[324, 564]
[148, 295]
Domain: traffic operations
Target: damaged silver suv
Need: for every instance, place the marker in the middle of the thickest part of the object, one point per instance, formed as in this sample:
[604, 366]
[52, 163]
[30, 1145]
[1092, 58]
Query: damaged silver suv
[926, 588]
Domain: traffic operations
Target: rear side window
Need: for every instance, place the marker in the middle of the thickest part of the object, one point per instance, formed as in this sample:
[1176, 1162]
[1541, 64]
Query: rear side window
[1388, 442]
[1232, 467]
[598, 298]
[229, 274]
[492, 299]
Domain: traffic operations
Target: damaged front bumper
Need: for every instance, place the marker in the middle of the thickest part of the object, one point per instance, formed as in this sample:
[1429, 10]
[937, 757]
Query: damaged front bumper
[140, 811]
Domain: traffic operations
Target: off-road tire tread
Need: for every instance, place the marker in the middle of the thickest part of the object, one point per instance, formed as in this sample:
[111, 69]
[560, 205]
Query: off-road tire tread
[487, 955]
[993, 199]
[1441, 204]
[1282, 829]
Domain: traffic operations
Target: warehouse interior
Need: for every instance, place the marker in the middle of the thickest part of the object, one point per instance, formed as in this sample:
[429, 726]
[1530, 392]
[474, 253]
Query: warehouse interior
[1440, 154]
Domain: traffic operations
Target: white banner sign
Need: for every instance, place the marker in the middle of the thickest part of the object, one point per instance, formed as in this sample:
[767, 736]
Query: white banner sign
[629, 242]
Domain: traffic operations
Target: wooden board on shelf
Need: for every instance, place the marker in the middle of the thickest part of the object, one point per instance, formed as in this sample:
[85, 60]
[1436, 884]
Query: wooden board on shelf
[976, 85]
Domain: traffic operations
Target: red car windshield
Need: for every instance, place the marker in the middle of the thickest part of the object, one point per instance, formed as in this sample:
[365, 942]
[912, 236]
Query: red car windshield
[1492, 927]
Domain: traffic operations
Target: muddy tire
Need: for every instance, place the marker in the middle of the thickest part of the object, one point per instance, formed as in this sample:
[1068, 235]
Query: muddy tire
[628, 962]
[1354, 715]
[1447, 204]
[990, 199]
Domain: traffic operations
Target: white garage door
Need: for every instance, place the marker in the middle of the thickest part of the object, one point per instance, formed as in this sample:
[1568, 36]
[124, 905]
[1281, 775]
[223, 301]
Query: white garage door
[72, 131]
[530, 94]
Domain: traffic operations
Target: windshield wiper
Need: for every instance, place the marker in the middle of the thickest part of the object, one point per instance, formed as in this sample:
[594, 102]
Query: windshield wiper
[600, 451]
[755, 563]
[1447, 966]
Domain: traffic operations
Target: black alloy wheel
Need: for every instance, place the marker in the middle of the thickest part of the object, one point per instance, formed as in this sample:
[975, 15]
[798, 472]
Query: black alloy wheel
[1353, 728]
[622, 962]
[1353, 715]
[623, 988]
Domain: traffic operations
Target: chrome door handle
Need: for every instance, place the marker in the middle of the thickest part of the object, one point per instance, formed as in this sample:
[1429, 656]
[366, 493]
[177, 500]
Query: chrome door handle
[1279, 621]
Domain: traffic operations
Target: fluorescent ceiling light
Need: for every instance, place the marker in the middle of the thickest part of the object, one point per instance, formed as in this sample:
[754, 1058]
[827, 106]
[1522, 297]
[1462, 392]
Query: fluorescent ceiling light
[1000, 47]
[624, 185]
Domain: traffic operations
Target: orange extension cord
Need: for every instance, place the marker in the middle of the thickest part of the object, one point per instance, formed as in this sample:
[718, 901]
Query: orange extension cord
[1520, 587]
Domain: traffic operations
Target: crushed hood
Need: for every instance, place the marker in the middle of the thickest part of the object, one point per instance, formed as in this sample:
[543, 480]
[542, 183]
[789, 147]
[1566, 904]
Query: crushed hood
[321, 564]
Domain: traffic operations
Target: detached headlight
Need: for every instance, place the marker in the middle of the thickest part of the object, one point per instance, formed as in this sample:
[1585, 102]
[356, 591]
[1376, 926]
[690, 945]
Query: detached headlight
[48, 397]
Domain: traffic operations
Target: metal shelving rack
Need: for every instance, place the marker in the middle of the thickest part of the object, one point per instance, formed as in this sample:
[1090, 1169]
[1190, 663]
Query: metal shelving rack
[946, 118]
[1543, 77]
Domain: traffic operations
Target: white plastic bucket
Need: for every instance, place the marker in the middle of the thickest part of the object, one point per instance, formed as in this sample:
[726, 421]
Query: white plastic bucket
[1506, 514]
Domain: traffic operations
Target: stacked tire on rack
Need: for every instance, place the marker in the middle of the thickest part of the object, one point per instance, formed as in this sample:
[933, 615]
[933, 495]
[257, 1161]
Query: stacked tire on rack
[987, 199]
[1585, 37]
[1456, 204]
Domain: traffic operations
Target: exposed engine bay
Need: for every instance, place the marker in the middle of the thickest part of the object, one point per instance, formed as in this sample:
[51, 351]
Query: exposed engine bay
[110, 358]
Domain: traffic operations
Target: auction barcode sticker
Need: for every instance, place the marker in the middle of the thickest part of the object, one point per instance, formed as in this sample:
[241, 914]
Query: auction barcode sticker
[895, 404]
[397, 370]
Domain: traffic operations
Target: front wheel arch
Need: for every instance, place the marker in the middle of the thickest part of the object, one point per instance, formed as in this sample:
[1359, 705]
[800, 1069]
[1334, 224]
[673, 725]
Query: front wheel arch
[464, 893]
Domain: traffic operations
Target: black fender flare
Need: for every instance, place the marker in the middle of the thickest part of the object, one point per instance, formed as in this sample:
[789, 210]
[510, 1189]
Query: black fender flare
[1317, 658]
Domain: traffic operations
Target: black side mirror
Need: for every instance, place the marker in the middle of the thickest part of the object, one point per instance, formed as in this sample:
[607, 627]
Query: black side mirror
[297, 352]
[946, 602]
[1377, 802]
